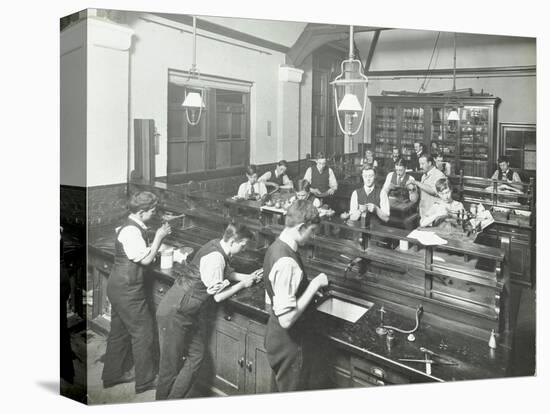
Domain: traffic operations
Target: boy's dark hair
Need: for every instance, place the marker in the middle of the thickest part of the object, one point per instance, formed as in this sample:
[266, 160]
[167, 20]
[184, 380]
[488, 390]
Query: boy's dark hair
[429, 158]
[301, 211]
[442, 184]
[320, 155]
[251, 170]
[303, 185]
[238, 232]
[368, 166]
[143, 200]
[283, 163]
[503, 158]
[400, 163]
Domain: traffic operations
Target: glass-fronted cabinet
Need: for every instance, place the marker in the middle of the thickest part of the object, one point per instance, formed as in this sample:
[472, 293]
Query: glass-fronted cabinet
[518, 141]
[468, 143]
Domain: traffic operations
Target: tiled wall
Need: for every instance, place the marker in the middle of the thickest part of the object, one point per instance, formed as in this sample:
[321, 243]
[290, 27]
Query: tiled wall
[106, 204]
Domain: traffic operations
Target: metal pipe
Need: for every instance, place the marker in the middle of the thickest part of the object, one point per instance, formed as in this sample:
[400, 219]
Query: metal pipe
[194, 42]
[351, 55]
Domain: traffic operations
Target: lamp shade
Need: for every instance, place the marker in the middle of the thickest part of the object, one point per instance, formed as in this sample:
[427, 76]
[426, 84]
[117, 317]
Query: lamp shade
[453, 115]
[350, 103]
[193, 100]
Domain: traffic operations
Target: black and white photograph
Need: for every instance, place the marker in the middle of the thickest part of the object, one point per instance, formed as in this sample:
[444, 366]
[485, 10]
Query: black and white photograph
[273, 206]
[281, 207]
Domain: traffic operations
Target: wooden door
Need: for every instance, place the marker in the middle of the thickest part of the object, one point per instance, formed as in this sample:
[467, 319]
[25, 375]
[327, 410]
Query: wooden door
[228, 353]
[259, 375]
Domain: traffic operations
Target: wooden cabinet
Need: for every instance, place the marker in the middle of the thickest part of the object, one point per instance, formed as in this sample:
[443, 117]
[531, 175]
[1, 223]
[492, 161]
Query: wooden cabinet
[468, 144]
[99, 313]
[519, 142]
[239, 358]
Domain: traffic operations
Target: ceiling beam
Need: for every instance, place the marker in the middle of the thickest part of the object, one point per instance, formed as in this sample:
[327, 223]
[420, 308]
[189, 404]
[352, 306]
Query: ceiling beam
[371, 50]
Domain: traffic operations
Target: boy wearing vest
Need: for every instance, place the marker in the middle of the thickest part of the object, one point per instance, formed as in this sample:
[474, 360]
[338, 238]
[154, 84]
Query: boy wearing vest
[182, 312]
[278, 178]
[322, 179]
[131, 338]
[399, 184]
[287, 342]
[504, 173]
[369, 198]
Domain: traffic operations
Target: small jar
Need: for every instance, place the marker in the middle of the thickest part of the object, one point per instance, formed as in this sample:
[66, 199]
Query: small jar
[167, 259]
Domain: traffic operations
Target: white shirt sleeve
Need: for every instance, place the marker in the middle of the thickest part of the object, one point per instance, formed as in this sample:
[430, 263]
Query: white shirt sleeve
[495, 175]
[516, 178]
[332, 183]
[212, 267]
[386, 186]
[384, 203]
[265, 177]
[285, 277]
[353, 206]
[262, 189]
[242, 190]
[307, 175]
[134, 245]
[287, 181]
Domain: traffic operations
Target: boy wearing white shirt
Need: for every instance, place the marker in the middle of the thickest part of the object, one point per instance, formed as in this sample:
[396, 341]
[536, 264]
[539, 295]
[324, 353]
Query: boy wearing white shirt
[182, 312]
[252, 189]
[131, 337]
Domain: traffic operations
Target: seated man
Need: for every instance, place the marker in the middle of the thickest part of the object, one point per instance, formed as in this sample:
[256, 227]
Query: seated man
[278, 177]
[252, 189]
[322, 179]
[369, 159]
[441, 165]
[444, 211]
[389, 165]
[504, 173]
[369, 198]
[400, 185]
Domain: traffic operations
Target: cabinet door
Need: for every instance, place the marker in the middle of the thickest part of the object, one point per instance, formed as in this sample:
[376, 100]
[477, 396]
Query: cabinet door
[228, 353]
[259, 375]
[520, 264]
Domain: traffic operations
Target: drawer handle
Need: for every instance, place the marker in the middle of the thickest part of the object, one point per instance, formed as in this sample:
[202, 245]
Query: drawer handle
[378, 372]
[227, 318]
[241, 362]
[105, 266]
[160, 290]
[249, 366]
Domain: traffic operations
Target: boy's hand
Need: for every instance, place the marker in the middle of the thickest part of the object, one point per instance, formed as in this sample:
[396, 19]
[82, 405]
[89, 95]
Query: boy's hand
[371, 207]
[249, 280]
[164, 230]
[257, 275]
[321, 280]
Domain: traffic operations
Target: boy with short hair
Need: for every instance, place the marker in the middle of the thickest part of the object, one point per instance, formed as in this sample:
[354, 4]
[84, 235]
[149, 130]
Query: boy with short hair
[444, 210]
[182, 311]
[290, 293]
[131, 338]
[252, 189]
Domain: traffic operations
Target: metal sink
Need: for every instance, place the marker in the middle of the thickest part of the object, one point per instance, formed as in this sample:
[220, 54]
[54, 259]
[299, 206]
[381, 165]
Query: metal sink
[344, 307]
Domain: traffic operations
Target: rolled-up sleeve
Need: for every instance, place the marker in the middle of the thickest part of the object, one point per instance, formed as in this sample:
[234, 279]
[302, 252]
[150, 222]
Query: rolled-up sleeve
[212, 268]
[285, 277]
[332, 182]
[133, 243]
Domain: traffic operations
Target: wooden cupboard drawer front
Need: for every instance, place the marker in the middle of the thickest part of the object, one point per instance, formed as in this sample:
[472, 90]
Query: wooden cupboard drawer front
[365, 368]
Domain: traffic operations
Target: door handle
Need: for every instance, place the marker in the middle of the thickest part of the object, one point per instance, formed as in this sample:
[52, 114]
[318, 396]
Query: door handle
[241, 362]
[249, 366]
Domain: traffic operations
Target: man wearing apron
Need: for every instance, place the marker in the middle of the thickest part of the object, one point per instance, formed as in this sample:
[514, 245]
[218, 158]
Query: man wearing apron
[288, 290]
[131, 338]
[181, 315]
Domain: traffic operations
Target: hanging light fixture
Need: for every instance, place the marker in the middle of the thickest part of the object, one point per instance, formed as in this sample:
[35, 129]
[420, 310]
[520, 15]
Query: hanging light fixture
[193, 102]
[350, 93]
[454, 104]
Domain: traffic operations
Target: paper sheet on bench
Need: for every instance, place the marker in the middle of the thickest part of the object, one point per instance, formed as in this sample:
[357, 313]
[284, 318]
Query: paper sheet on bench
[427, 238]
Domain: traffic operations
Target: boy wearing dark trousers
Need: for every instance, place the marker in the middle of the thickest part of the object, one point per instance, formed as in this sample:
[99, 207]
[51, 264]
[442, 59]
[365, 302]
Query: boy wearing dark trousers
[181, 312]
[131, 338]
[287, 341]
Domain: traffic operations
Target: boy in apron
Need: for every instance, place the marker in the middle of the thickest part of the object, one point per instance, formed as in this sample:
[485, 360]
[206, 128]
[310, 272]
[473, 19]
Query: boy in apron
[182, 311]
[131, 338]
[286, 341]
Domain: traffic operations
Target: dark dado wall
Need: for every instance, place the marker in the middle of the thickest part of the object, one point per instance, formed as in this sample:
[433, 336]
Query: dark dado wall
[72, 206]
[106, 204]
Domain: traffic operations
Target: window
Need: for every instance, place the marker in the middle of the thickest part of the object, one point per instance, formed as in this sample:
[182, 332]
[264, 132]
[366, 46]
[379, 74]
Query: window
[221, 140]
